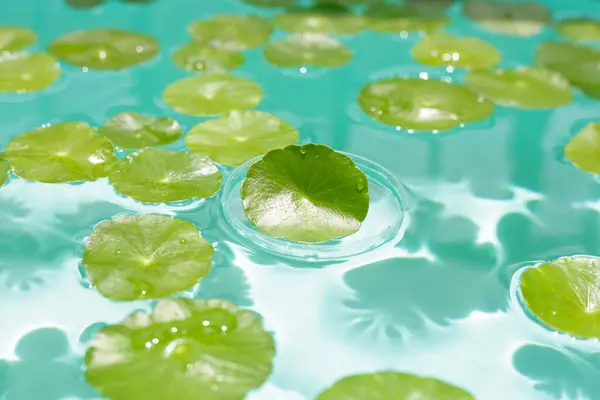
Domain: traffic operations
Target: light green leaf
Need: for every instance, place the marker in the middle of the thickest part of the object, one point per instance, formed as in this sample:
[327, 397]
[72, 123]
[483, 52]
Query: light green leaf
[509, 18]
[579, 29]
[145, 257]
[307, 49]
[441, 49]
[306, 194]
[23, 72]
[232, 32]
[421, 104]
[524, 87]
[240, 136]
[14, 38]
[271, 3]
[130, 130]
[212, 94]
[185, 349]
[105, 49]
[4, 168]
[197, 57]
[565, 295]
[326, 19]
[400, 18]
[64, 152]
[584, 149]
[392, 386]
[161, 176]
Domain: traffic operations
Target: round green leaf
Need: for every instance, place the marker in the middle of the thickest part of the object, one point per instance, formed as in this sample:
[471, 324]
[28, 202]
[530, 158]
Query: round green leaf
[583, 150]
[23, 72]
[390, 385]
[14, 38]
[212, 94]
[185, 349]
[232, 32]
[579, 64]
[307, 194]
[106, 49]
[271, 3]
[509, 18]
[565, 295]
[145, 257]
[130, 130]
[64, 152]
[240, 136]
[4, 168]
[162, 176]
[440, 49]
[524, 87]
[422, 104]
[579, 29]
[326, 19]
[197, 57]
[400, 18]
[84, 3]
[307, 49]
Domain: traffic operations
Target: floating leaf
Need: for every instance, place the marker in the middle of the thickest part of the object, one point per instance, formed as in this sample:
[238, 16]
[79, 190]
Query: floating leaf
[306, 194]
[400, 18]
[197, 57]
[326, 19]
[392, 386]
[84, 3]
[430, 3]
[421, 104]
[23, 72]
[271, 3]
[240, 136]
[579, 29]
[130, 130]
[106, 49]
[185, 349]
[565, 295]
[232, 32]
[4, 168]
[145, 257]
[161, 176]
[14, 38]
[440, 49]
[509, 18]
[584, 149]
[64, 152]
[524, 87]
[307, 49]
[212, 94]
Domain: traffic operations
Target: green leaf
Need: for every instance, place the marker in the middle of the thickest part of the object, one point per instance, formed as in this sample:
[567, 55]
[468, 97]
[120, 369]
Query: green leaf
[105, 49]
[524, 87]
[4, 168]
[240, 136]
[161, 176]
[509, 18]
[145, 257]
[422, 104]
[14, 38]
[579, 29]
[565, 295]
[326, 19]
[307, 194]
[64, 152]
[185, 349]
[307, 49]
[212, 94]
[579, 64]
[390, 385]
[84, 3]
[271, 3]
[583, 150]
[400, 18]
[232, 32]
[441, 49]
[197, 57]
[23, 72]
[130, 130]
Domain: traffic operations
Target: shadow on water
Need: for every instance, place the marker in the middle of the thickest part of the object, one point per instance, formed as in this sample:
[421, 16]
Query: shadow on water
[46, 369]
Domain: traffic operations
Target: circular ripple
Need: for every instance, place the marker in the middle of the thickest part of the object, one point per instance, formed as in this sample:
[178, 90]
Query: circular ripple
[383, 222]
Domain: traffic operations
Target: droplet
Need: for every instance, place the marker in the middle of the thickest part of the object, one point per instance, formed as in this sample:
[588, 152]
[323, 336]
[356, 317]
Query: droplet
[302, 152]
[183, 241]
[360, 187]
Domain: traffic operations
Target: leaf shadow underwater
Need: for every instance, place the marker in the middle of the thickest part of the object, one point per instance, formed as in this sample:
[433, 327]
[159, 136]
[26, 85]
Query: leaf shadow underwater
[46, 369]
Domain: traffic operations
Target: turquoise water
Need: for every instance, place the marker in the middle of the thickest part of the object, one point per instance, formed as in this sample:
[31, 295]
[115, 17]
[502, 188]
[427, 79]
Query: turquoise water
[435, 299]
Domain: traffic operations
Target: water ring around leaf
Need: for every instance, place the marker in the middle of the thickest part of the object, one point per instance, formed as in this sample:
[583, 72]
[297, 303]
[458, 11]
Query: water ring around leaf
[384, 222]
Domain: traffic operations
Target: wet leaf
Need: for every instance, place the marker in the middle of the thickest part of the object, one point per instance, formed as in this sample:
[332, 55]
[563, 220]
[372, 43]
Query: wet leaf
[131, 130]
[325, 19]
[307, 49]
[4, 168]
[15, 38]
[441, 49]
[579, 29]
[232, 32]
[401, 18]
[584, 149]
[197, 57]
[509, 18]
[24, 72]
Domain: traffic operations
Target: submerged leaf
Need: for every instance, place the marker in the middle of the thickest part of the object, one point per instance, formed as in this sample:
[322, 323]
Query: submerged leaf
[197, 57]
[307, 49]
[401, 18]
[232, 32]
[130, 130]
[509, 18]
[23, 72]
[326, 19]
[584, 149]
